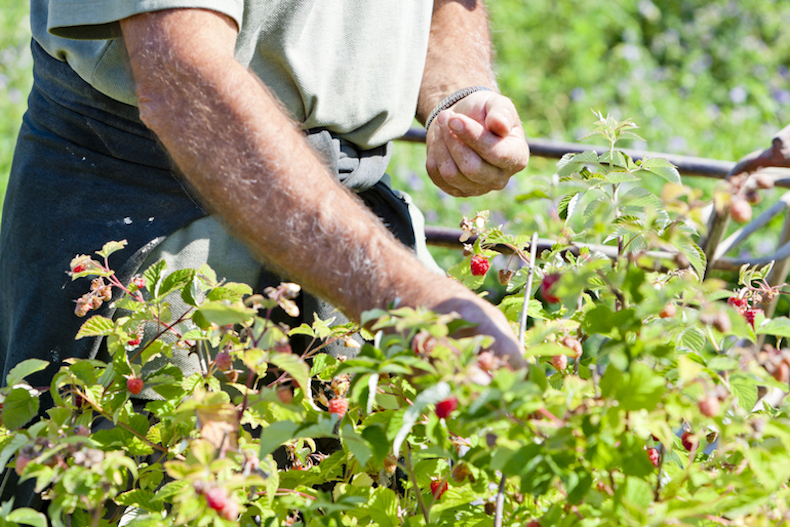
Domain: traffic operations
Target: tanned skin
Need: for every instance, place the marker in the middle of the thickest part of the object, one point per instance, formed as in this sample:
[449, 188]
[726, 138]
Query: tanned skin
[253, 166]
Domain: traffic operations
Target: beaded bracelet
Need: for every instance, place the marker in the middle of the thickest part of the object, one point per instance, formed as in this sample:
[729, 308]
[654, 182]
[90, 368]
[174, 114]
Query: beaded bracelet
[452, 99]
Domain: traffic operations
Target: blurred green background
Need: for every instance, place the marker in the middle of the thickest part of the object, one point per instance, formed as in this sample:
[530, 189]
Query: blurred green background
[700, 78]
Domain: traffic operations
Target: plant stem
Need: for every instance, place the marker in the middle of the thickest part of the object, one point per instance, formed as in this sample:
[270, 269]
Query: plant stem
[500, 502]
[533, 251]
[413, 478]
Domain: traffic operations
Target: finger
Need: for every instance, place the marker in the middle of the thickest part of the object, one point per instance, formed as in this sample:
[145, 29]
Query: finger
[443, 171]
[509, 153]
[501, 116]
[482, 175]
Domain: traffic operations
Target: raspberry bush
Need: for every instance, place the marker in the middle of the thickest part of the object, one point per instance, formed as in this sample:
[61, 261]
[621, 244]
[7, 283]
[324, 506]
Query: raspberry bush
[629, 412]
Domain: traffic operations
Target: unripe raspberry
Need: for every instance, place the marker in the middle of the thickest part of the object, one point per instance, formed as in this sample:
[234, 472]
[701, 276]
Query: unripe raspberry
[96, 302]
[489, 508]
[753, 197]
[722, 322]
[461, 472]
[669, 311]
[390, 465]
[560, 362]
[487, 361]
[545, 288]
[138, 282]
[338, 406]
[446, 407]
[782, 372]
[740, 210]
[82, 308]
[709, 406]
[423, 343]
[479, 265]
[216, 497]
[105, 293]
[223, 361]
[285, 394]
[230, 511]
[438, 488]
[573, 344]
[82, 431]
[505, 276]
[25, 456]
[134, 385]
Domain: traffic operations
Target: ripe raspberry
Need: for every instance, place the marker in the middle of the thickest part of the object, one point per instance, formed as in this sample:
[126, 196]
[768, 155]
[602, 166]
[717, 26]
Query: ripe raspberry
[338, 406]
[545, 288]
[223, 361]
[709, 406]
[533, 523]
[134, 341]
[653, 455]
[669, 311]
[79, 268]
[134, 385]
[479, 265]
[216, 497]
[438, 488]
[688, 442]
[560, 362]
[751, 314]
[740, 304]
[446, 407]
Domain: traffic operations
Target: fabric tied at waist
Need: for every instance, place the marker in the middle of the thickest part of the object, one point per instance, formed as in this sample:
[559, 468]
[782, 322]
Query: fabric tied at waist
[359, 170]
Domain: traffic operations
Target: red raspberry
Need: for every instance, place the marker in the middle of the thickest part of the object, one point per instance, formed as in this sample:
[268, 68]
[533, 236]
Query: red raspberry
[560, 362]
[545, 288]
[138, 282]
[751, 314]
[654, 456]
[216, 497]
[134, 385]
[338, 406]
[79, 268]
[438, 488]
[479, 265]
[740, 304]
[223, 361]
[687, 441]
[446, 407]
[533, 523]
[134, 341]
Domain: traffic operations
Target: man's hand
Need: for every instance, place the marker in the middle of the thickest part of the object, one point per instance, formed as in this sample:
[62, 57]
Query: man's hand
[475, 146]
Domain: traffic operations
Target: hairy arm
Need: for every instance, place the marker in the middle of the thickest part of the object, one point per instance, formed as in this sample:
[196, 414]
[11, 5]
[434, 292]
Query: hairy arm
[251, 164]
[475, 146]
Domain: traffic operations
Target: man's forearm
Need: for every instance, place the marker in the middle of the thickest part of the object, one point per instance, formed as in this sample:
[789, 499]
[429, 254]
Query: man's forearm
[254, 167]
[459, 52]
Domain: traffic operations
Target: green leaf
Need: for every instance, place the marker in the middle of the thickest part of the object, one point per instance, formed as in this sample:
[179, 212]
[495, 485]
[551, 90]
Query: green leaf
[639, 388]
[745, 389]
[27, 516]
[435, 394]
[96, 326]
[294, 366]
[779, 326]
[357, 445]
[23, 369]
[111, 247]
[224, 314]
[693, 339]
[154, 276]
[660, 167]
[383, 507]
[275, 435]
[19, 408]
[142, 499]
[174, 280]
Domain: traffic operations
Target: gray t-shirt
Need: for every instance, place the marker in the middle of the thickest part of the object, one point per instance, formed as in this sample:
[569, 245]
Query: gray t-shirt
[353, 67]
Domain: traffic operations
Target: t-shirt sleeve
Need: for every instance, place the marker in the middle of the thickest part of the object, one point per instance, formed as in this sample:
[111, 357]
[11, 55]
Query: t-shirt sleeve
[98, 19]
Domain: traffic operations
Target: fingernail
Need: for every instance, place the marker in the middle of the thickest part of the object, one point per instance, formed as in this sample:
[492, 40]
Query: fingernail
[457, 125]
